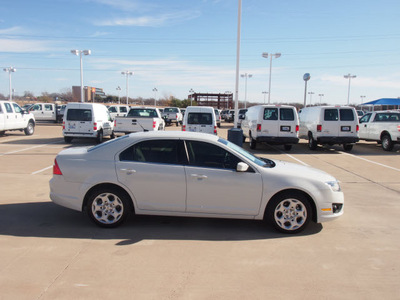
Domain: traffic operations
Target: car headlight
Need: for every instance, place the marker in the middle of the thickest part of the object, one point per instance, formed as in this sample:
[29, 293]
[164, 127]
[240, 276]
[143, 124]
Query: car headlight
[334, 185]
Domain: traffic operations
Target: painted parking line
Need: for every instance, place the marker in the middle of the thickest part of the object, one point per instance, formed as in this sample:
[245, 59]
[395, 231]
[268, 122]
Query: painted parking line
[29, 148]
[370, 161]
[42, 170]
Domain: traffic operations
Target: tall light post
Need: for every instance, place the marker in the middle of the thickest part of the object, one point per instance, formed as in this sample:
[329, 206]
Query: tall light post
[245, 75]
[306, 77]
[349, 77]
[191, 96]
[235, 122]
[265, 55]
[155, 96]
[127, 74]
[79, 53]
[10, 70]
[264, 92]
[119, 91]
[362, 99]
[311, 93]
[320, 98]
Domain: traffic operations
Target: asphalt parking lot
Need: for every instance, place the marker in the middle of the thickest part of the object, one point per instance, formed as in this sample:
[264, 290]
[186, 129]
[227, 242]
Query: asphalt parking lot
[50, 252]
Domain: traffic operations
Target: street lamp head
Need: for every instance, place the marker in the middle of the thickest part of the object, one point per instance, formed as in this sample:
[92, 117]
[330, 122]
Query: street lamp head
[75, 52]
[250, 75]
[265, 54]
[277, 55]
[87, 52]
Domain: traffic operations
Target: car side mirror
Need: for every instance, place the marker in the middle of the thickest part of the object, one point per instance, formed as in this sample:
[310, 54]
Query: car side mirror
[242, 167]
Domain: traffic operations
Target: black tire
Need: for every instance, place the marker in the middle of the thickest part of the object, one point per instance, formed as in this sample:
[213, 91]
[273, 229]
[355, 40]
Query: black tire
[288, 147]
[30, 129]
[67, 139]
[112, 136]
[289, 212]
[177, 123]
[347, 147]
[387, 143]
[253, 142]
[100, 137]
[108, 207]
[312, 144]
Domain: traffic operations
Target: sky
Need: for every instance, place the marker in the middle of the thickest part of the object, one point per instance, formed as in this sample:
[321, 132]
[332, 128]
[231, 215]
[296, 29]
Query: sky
[176, 46]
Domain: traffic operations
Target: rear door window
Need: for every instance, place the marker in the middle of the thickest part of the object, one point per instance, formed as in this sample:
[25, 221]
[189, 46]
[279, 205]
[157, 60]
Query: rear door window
[75, 114]
[286, 114]
[346, 114]
[331, 115]
[271, 114]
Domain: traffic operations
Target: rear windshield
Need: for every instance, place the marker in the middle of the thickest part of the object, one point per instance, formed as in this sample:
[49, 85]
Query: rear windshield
[387, 117]
[76, 114]
[199, 118]
[173, 110]
[346, 114]
[331, 115]
[287, 114]
[142, 113]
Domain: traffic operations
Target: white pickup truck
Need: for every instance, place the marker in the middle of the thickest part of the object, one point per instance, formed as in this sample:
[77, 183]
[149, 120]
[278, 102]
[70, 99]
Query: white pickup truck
[172, 115]
[45, 112]
[382, 127]
[139, 119]
[13, 117]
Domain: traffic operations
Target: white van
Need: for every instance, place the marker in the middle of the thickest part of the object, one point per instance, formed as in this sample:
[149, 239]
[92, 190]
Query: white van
[200, 119]
[329, 125]
[271, 124]
[87, 120]
[118, 110]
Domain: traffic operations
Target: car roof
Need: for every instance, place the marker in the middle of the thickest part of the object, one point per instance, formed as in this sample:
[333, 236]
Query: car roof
[175, 135]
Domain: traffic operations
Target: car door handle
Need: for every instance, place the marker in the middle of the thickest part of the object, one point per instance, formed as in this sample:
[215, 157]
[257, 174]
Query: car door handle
[199, 176]
[128, 171]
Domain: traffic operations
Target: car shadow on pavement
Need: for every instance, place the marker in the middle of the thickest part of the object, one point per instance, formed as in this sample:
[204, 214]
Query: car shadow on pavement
[47, 220]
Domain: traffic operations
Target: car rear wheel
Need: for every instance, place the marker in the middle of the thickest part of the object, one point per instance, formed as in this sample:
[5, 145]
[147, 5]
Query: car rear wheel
[288, 147]
[30, 129]
[289, 212]
[67, 139]
[387, 143]
[99, 138]
[347, 147]
[253, 142]
[312, 144]
[108, 207]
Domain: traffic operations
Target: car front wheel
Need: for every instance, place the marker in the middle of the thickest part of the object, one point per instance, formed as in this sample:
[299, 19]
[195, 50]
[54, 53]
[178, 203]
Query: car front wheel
[108, 207]
[387, 143]
[30, 129]
[289, 212]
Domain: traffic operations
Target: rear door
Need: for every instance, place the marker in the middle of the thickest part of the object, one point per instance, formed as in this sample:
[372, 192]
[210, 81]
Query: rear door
[270, 123]
[330, 126]
[348, 121]
[200, 122]
[37, 111]
[365, 126]
[79, 121]
[287, 122]
[49, 112]
[2, 124]
[154, 173]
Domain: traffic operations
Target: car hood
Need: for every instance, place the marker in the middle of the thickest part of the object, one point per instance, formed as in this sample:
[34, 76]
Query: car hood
[293, 169]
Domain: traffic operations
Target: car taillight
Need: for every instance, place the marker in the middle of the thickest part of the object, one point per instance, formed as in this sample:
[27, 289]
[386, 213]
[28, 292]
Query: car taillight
[215, 129]
[357, 127]
[258, 127]
[56, 168]
[63, 125]
[319, 128]
[154, 124]
[398, 127]
[95, 126]
[184, 128]
[297, 128]
[115, 123]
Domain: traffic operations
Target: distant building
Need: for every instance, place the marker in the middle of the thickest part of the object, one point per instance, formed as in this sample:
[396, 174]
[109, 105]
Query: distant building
[219, 101]
[89, 93]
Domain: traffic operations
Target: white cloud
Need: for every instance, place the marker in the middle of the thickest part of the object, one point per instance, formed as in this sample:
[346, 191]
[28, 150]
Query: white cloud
[12, 45]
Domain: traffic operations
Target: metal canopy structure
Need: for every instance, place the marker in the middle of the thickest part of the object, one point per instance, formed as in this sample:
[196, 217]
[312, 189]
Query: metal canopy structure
[219, 101]
[384, 101]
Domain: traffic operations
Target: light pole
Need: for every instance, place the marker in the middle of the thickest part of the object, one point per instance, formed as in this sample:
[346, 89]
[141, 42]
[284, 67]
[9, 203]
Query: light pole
[245, 75]
[80, 52]
[265, 55]
[349, 77]
[191, 96]
[10, 70]
[311, 93]
[235, 122]
[119, 90]
[265, 93]
[306, 77]
[155, 96]
[320, 98]
[127, 74]
[362, 99]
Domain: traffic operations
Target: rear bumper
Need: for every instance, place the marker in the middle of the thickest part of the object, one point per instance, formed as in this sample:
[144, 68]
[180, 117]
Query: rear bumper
[337, 140]
[274, 140]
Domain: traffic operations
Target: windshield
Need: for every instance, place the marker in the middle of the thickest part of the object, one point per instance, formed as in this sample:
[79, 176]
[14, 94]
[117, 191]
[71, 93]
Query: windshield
[248, 155]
